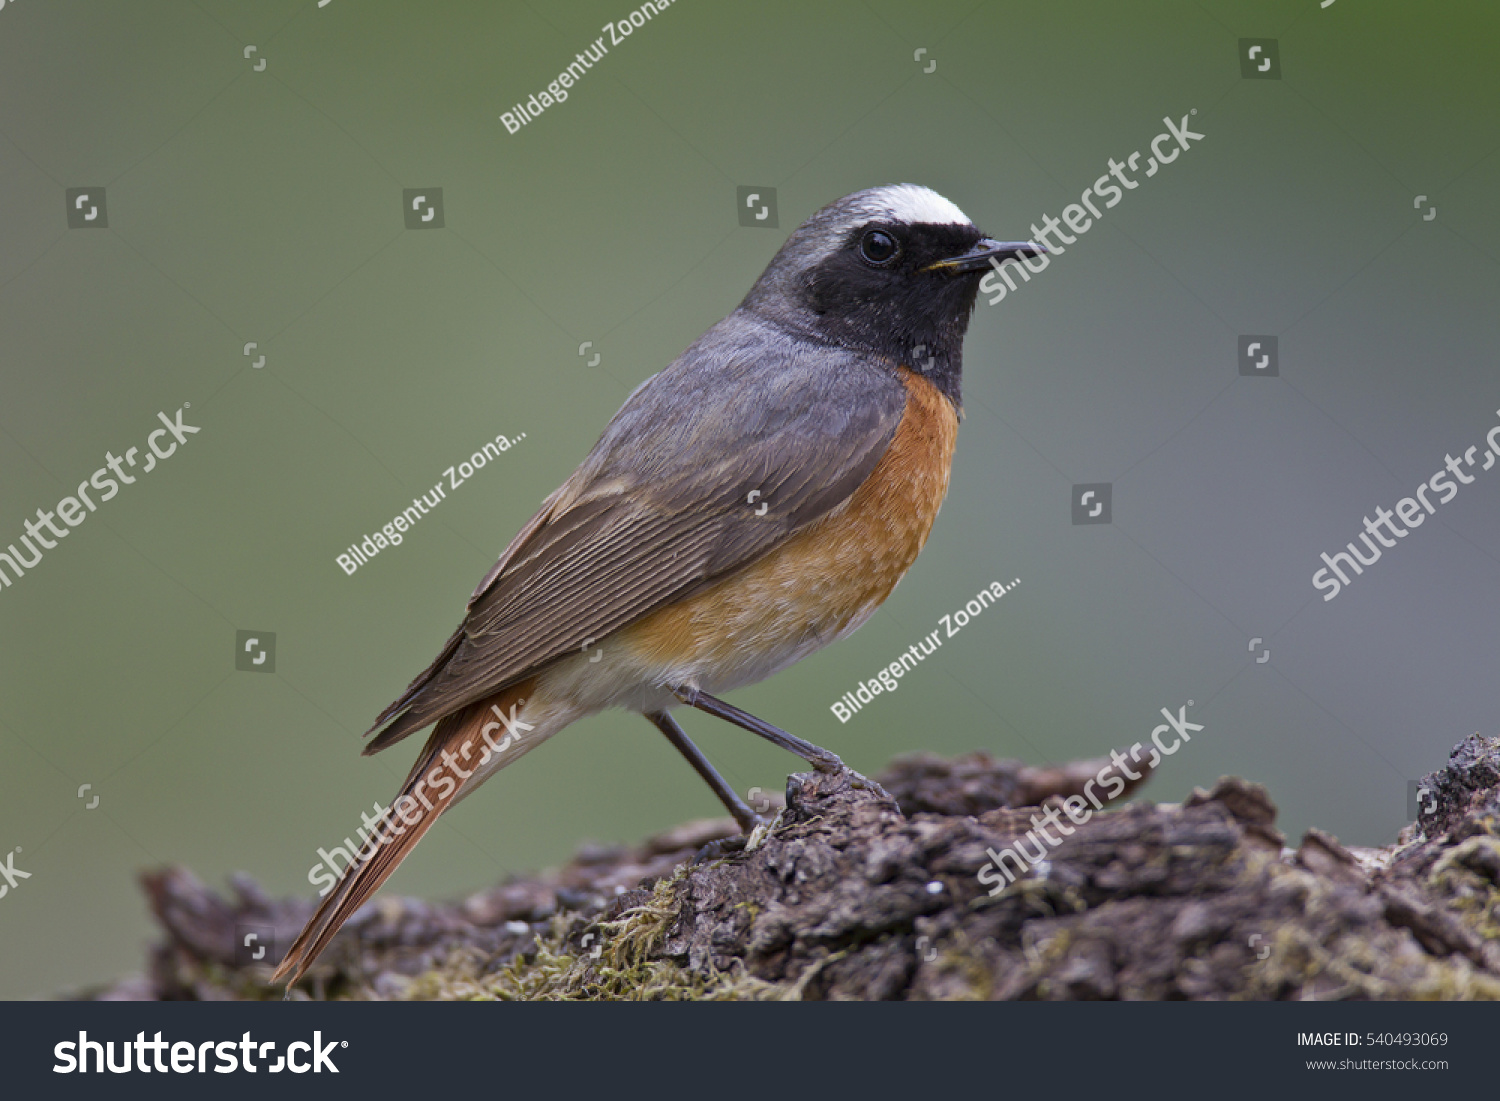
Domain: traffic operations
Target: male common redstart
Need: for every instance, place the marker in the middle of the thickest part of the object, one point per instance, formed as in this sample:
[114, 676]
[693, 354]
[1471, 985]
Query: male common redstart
[750, 504]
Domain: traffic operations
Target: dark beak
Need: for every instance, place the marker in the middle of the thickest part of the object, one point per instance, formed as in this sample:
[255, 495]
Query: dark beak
[983, 252]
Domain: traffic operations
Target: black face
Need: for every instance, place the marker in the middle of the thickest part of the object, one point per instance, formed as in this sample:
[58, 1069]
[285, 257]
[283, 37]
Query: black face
[877, 294]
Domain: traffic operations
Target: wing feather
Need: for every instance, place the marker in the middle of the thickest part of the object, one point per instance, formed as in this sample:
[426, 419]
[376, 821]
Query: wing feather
[659, 509]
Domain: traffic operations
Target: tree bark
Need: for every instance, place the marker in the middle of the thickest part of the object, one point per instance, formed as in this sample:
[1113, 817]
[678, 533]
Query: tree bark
[861, 889]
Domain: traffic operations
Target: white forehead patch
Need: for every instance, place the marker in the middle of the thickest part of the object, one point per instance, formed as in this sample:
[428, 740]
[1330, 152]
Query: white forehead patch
[913, 203]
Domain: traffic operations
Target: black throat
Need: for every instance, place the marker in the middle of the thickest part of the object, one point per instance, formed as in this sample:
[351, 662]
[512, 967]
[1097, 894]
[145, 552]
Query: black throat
[903, 313]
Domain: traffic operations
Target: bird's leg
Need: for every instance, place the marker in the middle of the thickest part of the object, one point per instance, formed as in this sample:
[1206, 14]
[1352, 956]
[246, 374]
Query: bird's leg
[816, 756]
[746, 817]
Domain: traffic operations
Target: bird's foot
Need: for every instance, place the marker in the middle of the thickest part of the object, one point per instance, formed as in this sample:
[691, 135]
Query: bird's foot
[830, 764]
[724, 846]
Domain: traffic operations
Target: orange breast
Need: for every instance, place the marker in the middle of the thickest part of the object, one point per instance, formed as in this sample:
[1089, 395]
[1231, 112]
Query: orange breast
[824, 581]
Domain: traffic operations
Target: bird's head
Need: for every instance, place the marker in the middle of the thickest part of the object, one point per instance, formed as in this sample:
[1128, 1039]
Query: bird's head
[891, 271]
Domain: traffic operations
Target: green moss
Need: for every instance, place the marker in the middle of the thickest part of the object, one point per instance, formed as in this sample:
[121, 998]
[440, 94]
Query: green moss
[958, 959]
[625, 969]
[1347, 964]
[1465, 878]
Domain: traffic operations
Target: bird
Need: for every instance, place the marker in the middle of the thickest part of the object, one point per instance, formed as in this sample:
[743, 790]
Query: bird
[750, 504]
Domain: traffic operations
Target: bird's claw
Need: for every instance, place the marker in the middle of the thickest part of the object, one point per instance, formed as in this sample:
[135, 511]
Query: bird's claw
[830, 765]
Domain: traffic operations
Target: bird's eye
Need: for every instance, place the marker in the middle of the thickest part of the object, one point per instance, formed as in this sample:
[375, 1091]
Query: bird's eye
[878, 247]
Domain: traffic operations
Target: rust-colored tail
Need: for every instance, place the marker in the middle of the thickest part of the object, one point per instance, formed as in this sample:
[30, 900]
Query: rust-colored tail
[428, 791]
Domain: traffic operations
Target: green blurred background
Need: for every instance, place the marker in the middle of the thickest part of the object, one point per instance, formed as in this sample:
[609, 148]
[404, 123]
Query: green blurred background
[265, 206]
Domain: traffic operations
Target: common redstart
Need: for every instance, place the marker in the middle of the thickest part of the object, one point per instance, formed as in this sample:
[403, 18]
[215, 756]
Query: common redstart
[750, 504]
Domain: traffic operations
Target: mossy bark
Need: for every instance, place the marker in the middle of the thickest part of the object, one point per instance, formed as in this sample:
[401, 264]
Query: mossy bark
[870, 890]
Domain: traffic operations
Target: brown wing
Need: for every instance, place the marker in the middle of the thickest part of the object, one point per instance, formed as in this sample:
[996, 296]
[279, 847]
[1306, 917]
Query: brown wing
[662, 506]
